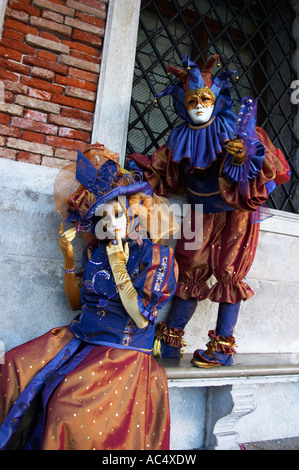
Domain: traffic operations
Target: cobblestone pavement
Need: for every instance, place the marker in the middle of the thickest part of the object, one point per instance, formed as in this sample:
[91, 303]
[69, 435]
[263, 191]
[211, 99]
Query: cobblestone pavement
[276, 444]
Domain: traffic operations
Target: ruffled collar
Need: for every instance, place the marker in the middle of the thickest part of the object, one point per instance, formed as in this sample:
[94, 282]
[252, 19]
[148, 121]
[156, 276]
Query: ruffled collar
[198, 146]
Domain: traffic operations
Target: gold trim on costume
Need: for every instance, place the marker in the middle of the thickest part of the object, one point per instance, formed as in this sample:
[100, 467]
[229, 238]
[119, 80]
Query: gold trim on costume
[203, 126]
[202, 194]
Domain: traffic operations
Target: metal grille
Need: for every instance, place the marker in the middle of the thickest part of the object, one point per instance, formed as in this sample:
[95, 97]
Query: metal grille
[252, 37]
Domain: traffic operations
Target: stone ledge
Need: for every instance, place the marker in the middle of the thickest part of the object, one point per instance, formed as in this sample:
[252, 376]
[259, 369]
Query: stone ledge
[224, 395]
[256, 366]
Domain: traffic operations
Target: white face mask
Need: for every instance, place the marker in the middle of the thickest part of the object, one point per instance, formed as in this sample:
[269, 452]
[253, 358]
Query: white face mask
[200, 115]
[112, 218]
[200, 104]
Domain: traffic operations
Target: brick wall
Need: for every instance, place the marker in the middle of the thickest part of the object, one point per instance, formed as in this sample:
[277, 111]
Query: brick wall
[50, 56]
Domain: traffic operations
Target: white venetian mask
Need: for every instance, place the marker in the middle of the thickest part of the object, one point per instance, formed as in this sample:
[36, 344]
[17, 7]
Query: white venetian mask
[112, 218]
[200, 105]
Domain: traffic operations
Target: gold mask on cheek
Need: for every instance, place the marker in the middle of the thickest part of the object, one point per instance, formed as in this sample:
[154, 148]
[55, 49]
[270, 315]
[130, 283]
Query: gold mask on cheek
[203, 96]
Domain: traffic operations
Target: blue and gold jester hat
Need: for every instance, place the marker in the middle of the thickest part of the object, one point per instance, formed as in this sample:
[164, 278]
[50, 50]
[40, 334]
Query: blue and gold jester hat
[192, 78]
[99, 185]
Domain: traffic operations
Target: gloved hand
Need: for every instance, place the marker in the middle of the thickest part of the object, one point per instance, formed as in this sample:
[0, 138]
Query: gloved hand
[65, 243]
[71, 285]
[118, 257]
[236, 147]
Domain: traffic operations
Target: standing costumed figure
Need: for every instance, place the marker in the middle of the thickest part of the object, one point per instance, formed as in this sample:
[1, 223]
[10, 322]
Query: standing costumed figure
[94, 384]
[229, 166]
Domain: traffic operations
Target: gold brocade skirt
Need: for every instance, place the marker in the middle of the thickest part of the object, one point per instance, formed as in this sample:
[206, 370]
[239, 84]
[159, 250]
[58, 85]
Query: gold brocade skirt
[114, 399]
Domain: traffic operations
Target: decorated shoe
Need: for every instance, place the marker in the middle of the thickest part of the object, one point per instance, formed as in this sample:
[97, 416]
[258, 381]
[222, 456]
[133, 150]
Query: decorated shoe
[168, 341]
[219, 352]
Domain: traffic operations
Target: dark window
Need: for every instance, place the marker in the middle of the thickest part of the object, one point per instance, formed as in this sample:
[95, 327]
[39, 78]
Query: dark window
[252, 37]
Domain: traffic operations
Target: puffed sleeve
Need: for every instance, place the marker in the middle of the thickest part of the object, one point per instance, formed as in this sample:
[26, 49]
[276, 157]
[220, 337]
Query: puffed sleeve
[157, 281]
[159, 171]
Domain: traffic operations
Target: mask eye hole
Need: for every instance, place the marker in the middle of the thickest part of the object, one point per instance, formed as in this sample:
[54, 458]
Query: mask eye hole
[207, 100]
[119, 214]
[192, 103]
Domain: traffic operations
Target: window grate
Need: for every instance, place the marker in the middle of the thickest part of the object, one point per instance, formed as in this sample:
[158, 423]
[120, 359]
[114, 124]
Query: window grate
[251, 36]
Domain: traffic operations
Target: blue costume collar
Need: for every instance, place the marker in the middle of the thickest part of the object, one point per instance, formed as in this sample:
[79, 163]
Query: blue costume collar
[199, 146]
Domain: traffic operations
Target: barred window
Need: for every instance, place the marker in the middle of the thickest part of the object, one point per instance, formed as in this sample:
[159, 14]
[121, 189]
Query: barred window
[251, 36]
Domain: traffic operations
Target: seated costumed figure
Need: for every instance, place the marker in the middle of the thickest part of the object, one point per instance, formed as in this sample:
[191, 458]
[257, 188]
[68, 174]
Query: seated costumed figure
[229, 166]
[94, 384]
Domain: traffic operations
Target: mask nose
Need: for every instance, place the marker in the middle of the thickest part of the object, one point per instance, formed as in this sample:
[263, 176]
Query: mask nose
[113, 223]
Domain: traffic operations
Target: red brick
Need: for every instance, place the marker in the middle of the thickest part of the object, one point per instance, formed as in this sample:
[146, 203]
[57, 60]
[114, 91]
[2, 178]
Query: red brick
[45, 64]
[9, 97]
[10, 54]
[21, 5]
[57, 2]
[8, 153]
[33, 137]
[18, 46]
[84, 56]
[94, 3]
[86, 38]
[4, 119]
[39, 94]
[45, 35]
[26, 2]
[5, 75]
[10, 34]
[18, 26]
[10, 131]
[76, 114]
[2, 141]
[35, 115]
[82, 74]
[75, 82]
[65, 143]
[29, 158]
[73, 134]
[82, 47]
[42, 85]
[46, 55]
[90, 19]
[31, 125]
[14, 67]
[73, 103]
